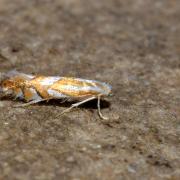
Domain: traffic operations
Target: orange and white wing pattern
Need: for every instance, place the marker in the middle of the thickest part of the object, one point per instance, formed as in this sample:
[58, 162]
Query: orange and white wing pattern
[80, 88]
[34, 89]
[43, 85]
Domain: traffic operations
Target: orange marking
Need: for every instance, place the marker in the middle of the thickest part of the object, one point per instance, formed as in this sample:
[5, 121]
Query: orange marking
[59, 86]
[27, 94]
[41, 89]
[72, 82]
[17, 91]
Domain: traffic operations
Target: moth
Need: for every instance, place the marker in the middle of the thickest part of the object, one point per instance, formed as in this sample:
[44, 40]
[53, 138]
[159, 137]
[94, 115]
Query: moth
[37, 88]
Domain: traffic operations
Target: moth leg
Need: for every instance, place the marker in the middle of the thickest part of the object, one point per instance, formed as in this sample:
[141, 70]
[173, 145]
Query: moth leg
[99, 109]
[64, 100]
[76, 105]
[31, 102]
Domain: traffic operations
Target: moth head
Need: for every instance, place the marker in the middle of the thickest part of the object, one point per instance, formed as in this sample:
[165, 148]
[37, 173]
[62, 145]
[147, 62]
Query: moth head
[6, 86]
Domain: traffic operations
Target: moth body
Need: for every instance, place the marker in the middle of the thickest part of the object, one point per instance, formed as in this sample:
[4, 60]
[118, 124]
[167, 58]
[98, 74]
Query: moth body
[34, 89]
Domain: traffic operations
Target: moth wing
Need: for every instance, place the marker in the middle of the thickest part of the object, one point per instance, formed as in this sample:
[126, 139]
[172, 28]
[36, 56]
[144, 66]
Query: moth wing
[55, 94]
[48, 81]
[14, 73]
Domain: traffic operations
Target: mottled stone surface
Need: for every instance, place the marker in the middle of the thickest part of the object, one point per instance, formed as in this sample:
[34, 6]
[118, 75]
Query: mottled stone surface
[132, 44]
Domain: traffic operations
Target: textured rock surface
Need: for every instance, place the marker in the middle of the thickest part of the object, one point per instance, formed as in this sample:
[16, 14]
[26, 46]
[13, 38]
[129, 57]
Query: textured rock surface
[133, 45]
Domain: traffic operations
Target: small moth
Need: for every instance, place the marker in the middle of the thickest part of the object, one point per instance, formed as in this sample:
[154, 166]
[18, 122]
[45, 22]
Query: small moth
[34, 89]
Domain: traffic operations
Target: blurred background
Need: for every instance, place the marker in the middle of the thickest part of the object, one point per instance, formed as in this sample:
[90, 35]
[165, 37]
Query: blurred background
[134, 45]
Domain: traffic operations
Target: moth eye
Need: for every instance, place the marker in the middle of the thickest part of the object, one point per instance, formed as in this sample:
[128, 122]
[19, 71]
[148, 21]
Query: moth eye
[5, 84]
